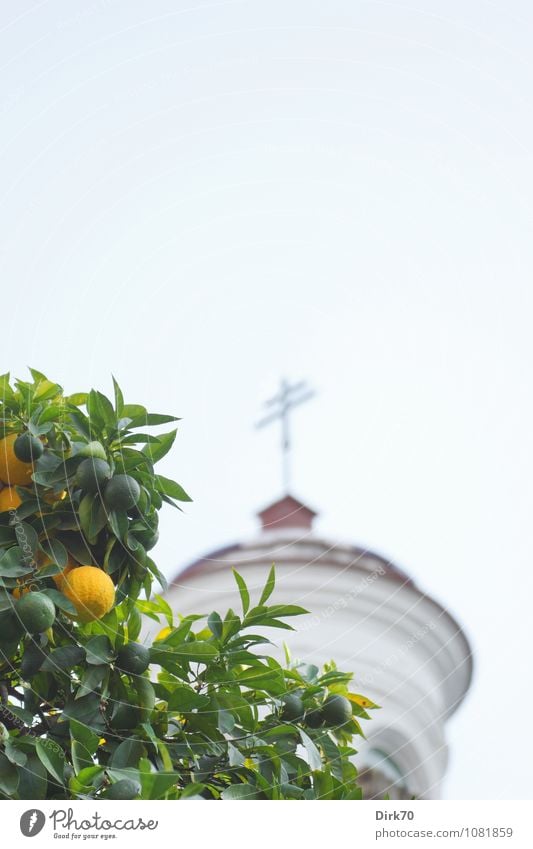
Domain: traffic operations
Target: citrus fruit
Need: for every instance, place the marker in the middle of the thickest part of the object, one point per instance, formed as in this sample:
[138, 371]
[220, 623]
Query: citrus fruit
[92, 474]
[18, 592]
[293, 707]
[13, 470]
[164, 632]
[9, 499]
[121, 493]
[91, 591]
[36, 612]
[59, 579]
[147, 538]
[93, 449]
[314, 718]
[124, 788]
[27, 448]
[52, 497]
[133, 658]
[336, 710]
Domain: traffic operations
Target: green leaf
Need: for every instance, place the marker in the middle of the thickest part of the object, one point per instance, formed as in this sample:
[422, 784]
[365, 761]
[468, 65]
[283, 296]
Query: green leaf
[46, 390]
[277, 610]
[195, 788]
[313, 755]
[156, 784]
[243, 591]
[157, 450]
[169, 487]
[60, 601]
[33, 780]
[92, 516]
[165, 608]
[134, 624]
[12, 563]
[232, 624]
[118, 522]
[6, 600]
[63, 658]
[86, 710]
[145, 696]
[183, 700]
[134, 411]
[27, 539]
[9, 776]
[13, 753]
[84, 744]
[106, 410]
[151, 419]
[269, 586]
[263, 678]
[239, 792]
[51, 756]
[225, 721]
[128, 753]
[215, 624]
[78, 399]
[56, 551]
[91, 679]
[48, 571]
[195, 651]
[119, 399]
[99, 650]
[32, 660]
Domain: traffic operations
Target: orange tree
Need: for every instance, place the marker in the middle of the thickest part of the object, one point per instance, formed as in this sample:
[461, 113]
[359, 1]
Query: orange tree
[88, 709]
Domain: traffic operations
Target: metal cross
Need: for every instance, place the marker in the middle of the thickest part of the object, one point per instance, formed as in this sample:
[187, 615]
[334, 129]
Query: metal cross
[287, 398]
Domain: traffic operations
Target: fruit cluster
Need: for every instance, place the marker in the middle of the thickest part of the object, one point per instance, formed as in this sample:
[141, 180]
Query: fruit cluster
[79, 505]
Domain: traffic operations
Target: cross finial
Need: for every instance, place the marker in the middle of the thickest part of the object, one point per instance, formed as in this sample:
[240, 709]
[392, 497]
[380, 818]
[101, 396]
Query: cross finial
[287, 398]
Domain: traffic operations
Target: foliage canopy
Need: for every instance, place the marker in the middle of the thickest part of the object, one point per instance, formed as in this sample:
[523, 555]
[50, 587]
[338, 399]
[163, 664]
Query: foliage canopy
[86, 710]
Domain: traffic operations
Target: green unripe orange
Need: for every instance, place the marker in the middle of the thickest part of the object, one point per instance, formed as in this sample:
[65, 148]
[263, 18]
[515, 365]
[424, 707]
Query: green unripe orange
[122, 493]
[336, 710]
[36, 612]
[27, 447]
[133, 659]
[92, 475]
[293, 707]
[314, 718]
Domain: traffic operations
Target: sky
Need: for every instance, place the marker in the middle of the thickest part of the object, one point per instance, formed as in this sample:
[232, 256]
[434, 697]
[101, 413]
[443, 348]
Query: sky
[204, 197]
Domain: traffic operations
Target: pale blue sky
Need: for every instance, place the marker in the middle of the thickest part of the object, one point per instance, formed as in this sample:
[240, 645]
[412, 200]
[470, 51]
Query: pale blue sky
[202, 197]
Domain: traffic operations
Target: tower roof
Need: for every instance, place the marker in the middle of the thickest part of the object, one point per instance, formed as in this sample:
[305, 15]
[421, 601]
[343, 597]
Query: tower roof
[286, 512]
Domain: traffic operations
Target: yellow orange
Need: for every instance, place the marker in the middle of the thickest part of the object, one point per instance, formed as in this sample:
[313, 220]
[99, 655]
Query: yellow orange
[20, 591]
[13, 470]
[9, 499]
[53, 497]
[91, 591]
[60, 578]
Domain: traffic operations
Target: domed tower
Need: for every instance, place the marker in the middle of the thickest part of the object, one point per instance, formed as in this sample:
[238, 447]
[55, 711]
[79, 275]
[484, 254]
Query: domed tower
[406, 651]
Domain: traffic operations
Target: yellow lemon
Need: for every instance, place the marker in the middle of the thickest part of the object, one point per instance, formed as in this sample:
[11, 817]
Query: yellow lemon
[91, 591]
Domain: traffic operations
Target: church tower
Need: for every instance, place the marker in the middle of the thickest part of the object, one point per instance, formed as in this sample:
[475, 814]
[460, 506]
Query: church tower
[406, 651]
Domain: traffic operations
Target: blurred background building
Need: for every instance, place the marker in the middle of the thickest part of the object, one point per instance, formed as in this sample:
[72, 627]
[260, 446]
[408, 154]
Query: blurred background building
[407, 653]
